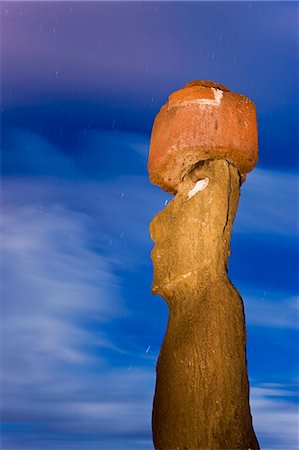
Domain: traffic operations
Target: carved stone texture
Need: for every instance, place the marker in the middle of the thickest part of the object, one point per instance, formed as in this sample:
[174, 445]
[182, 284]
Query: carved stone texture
[202, 392]
[201, 121]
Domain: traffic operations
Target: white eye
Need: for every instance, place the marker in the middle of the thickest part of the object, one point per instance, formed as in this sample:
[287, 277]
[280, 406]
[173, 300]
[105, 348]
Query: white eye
[200, 185]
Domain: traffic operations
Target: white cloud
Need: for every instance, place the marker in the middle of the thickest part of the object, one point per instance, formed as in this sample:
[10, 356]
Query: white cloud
[276, 416]
[52, 283]
[59, 293]
[271, 309]
[117, 212]
[268, 204]
[63, 243]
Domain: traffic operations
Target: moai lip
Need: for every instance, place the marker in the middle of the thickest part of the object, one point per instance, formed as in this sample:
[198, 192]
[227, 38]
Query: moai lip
[202, 392]
[203, 120]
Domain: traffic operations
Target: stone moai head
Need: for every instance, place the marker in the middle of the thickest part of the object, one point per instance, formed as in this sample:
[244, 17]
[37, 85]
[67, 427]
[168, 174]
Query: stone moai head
[204, 141]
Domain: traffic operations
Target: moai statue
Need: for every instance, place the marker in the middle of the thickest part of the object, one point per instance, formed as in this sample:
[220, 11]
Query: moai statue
[204, 141]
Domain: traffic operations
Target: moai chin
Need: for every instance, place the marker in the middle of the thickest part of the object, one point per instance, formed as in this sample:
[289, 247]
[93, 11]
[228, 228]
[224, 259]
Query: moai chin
[204, 141]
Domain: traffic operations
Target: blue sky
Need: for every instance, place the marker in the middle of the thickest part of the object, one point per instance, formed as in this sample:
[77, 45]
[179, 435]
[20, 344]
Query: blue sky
[81, 84]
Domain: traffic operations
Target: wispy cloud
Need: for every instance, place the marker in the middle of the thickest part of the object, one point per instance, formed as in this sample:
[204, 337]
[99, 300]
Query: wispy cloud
[75, 249]
[52, 282]
[275, 416]
[67, 377]
[77, 372]
[268, 204]
[58, 293]
[271, 309]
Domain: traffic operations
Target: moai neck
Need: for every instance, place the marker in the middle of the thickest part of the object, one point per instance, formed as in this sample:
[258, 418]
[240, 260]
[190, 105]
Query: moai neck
[202, 393]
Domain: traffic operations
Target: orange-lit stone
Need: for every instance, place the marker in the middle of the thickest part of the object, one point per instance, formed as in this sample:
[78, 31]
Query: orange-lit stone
[201, 121]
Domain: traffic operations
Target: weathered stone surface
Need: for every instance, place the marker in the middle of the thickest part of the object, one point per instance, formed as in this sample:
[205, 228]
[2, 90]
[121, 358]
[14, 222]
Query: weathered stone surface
[207, 83]
[202, 393]
[203, 120]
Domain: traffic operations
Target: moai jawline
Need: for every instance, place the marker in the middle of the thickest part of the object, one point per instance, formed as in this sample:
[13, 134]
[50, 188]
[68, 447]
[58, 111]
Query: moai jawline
[203, 143]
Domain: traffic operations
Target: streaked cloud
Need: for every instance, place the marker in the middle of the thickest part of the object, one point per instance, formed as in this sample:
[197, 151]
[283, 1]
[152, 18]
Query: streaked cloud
[75, 249]
[81, 330]
[58, 292]
[275, 416]
[271, 309]
[268, 204]
[52, 284]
